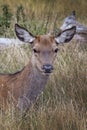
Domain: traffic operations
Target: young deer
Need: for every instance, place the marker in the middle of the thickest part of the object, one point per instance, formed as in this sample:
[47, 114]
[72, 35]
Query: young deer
[25, 86]
[81, 30]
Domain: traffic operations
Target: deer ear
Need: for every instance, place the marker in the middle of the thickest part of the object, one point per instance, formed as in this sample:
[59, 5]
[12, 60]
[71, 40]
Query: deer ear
[23, 34]
[66, 35]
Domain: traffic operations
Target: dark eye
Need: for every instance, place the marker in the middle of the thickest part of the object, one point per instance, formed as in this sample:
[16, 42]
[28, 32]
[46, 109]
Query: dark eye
[36, 51]
[56, 50]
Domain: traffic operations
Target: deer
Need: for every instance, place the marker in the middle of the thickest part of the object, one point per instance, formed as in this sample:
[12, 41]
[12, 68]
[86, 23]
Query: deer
[81, 30]
[24, 87]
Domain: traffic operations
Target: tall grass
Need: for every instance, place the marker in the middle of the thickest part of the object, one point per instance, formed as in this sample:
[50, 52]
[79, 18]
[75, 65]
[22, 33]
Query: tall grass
[63, 104]
[37, 12]
[40, 7]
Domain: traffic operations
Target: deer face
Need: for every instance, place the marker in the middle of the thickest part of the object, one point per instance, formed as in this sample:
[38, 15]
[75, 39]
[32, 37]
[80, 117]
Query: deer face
[44, 52]
[44, 47]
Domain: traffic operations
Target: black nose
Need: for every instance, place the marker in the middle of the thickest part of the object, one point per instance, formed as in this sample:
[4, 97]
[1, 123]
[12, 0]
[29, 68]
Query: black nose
[47, 68]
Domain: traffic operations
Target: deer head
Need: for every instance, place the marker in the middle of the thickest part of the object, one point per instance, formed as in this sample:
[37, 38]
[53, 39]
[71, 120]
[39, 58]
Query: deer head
[44, 47]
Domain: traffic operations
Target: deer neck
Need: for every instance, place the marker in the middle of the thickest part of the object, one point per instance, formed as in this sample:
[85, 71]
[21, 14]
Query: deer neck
[34, 85]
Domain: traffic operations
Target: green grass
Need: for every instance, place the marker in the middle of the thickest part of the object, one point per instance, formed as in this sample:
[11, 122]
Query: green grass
[63, 104]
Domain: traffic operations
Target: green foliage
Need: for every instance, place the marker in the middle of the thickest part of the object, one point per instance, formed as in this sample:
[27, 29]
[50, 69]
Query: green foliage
[5, 19]
[20, 15]
[7, 15]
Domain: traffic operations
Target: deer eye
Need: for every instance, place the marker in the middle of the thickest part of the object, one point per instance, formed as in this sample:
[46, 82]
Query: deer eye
[56, 50]
[36, 51]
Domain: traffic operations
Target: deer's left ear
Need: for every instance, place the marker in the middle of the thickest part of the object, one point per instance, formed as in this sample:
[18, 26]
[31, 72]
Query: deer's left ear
[66, 35]
[23, 34]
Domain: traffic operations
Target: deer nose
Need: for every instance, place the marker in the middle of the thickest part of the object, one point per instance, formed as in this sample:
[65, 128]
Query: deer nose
[47, 68]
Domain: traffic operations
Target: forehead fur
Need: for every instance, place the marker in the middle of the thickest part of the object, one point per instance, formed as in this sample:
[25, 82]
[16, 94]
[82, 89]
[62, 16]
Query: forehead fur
[45, 40]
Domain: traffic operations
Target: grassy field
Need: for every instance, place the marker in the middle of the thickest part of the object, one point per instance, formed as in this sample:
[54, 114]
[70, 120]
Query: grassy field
[63, 104]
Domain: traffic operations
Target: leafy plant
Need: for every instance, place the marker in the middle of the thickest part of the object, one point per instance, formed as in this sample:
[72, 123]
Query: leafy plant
[5, 18]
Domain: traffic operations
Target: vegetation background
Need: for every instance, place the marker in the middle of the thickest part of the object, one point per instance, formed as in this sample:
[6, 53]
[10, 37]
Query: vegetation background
[63, 104]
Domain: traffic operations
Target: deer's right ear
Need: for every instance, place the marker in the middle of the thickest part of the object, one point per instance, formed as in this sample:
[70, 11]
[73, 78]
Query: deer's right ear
[23, 34]
[66, 35]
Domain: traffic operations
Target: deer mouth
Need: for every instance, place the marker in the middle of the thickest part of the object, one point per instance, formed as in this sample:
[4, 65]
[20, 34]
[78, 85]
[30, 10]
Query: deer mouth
[46, 74]
[48, 71]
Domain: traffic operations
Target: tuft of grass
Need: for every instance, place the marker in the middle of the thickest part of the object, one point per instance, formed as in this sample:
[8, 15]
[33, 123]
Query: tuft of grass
[14, 58]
